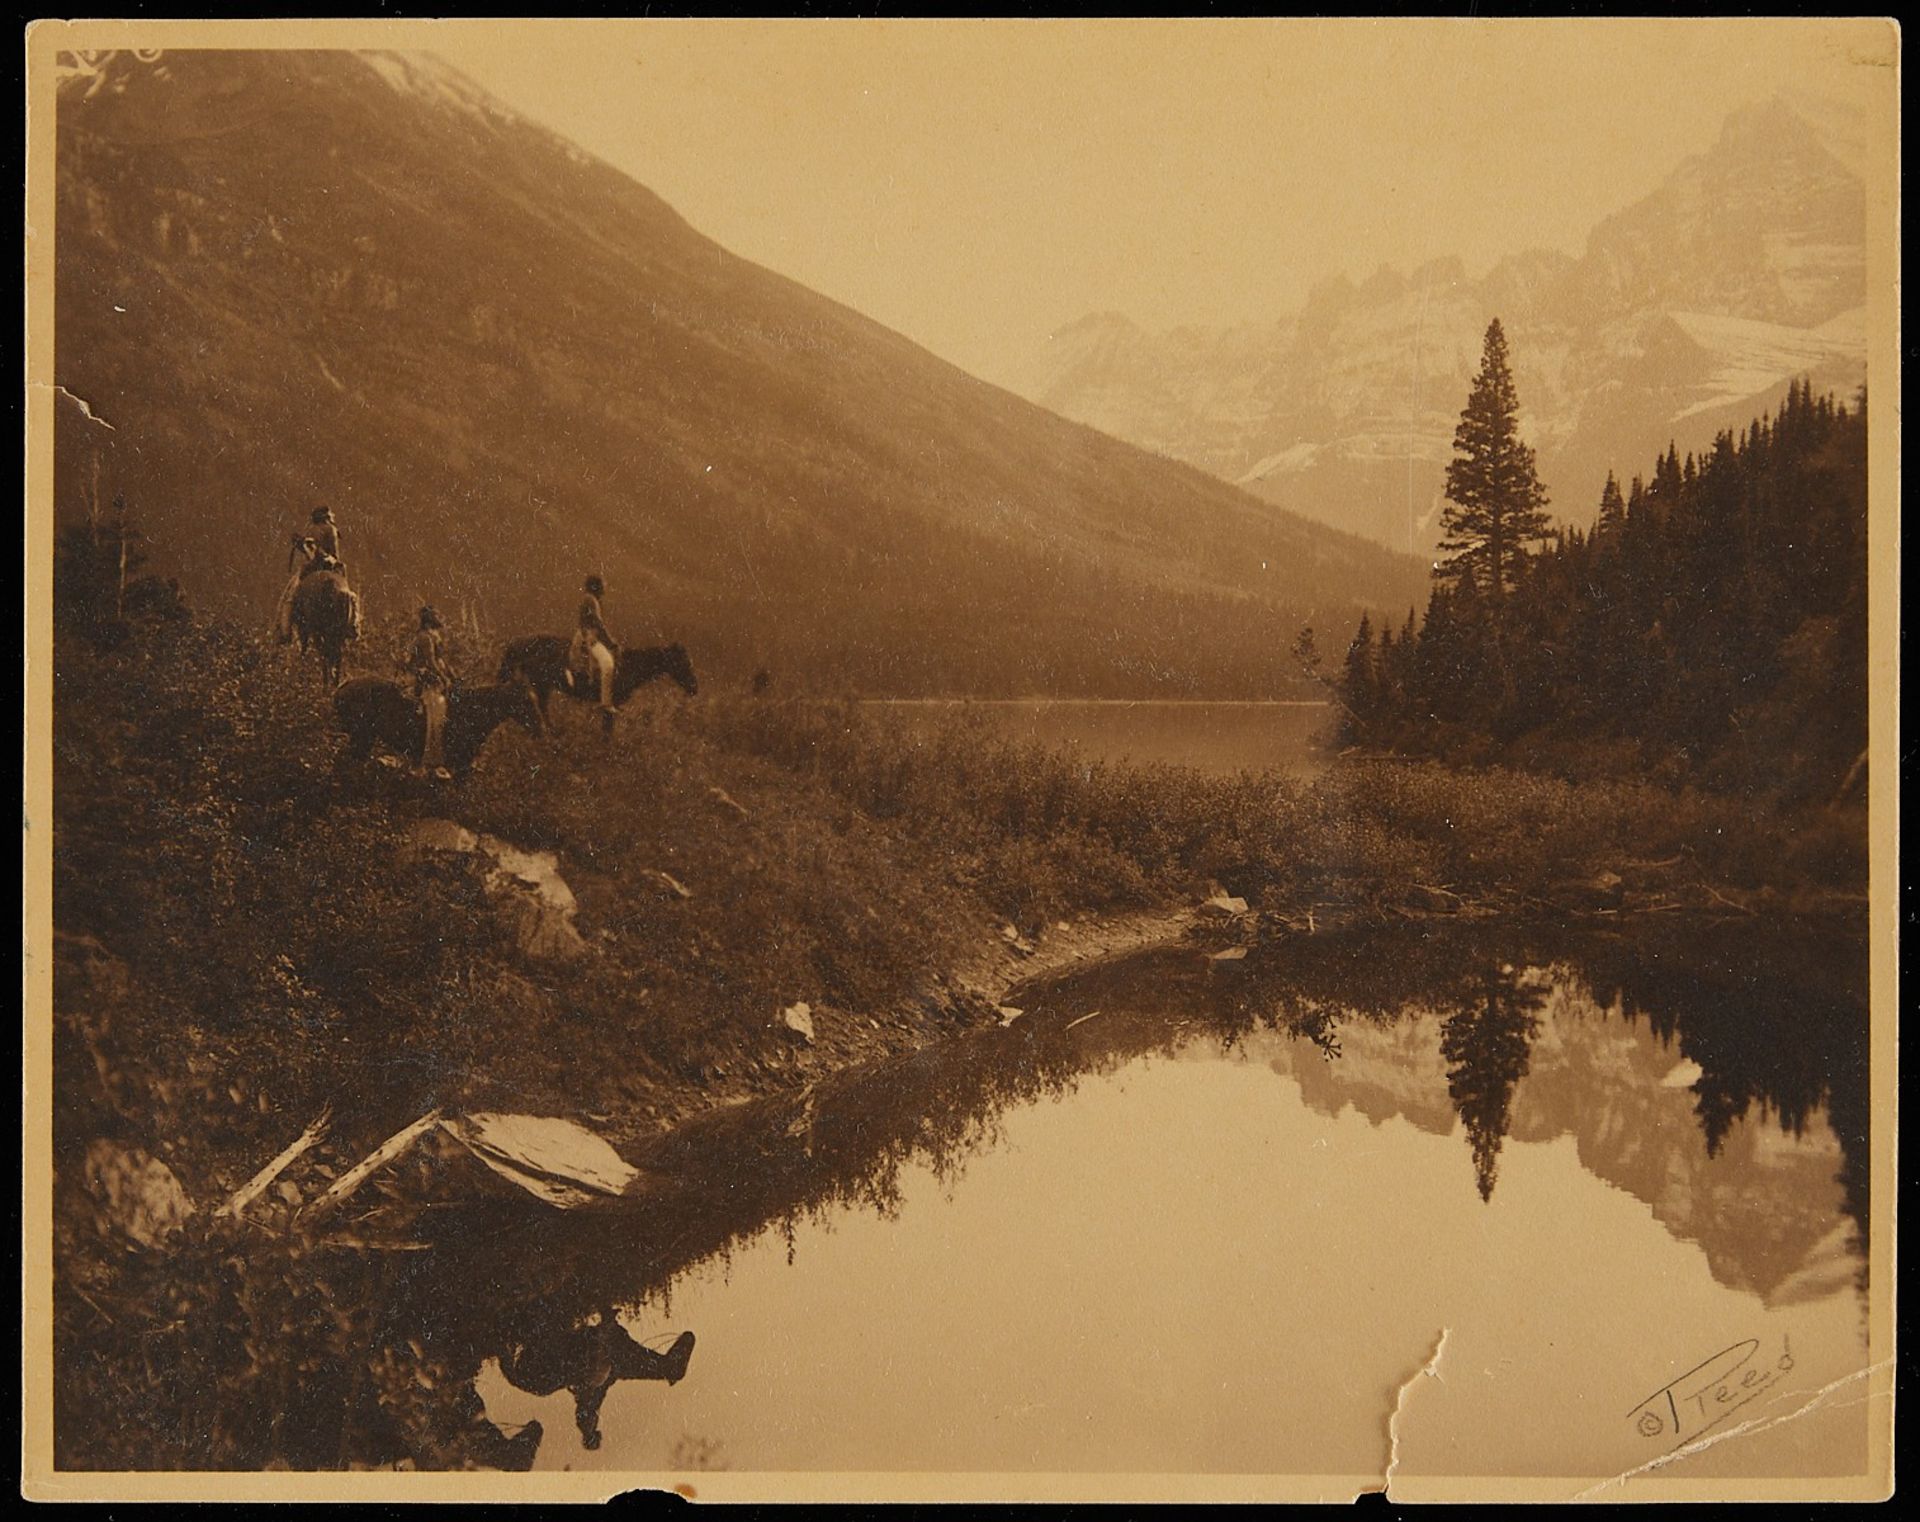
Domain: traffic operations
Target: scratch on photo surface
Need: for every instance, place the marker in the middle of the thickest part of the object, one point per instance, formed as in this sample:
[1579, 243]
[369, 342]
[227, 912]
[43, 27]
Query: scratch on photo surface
[1757, 1424]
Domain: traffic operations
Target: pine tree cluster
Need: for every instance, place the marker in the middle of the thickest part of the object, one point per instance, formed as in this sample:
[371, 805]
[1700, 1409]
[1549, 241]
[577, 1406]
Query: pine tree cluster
[1710, 627]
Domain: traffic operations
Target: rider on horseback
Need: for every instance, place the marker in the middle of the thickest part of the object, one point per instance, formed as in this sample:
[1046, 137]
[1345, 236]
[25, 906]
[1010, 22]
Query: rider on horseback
[326, 540]
[432, 680]
[594, 649]
[322, 552]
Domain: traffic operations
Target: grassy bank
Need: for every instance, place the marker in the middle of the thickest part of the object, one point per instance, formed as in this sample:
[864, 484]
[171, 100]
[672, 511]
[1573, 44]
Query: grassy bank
[244, 939]
[1043, 833]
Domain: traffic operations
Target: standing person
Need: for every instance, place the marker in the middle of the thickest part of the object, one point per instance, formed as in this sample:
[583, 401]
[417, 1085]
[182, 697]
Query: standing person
[594, 649]
[432, 680]
[299, 560]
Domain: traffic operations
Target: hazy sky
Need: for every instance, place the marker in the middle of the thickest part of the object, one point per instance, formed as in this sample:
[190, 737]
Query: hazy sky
[977, 184]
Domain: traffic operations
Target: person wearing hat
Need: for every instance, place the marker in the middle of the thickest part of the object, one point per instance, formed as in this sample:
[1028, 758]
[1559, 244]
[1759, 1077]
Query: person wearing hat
[432, 679]
[595, 651]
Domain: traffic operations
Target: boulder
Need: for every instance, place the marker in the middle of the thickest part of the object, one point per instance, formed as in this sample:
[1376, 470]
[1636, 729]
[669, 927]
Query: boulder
[553, 1159]
[540, 931]
[532, 899]
[798, 1020]
[137, 1194]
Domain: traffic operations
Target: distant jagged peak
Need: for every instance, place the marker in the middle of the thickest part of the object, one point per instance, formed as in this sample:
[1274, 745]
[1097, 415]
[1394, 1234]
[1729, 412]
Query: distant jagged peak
[1762, 118]
[1383, 285]
[1435, 274]
[1786, 125]
[1330, 295]
[1522, 284]
[1840, 125]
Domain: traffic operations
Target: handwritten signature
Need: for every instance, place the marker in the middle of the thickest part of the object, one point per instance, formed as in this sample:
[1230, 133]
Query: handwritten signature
[1710, 1392]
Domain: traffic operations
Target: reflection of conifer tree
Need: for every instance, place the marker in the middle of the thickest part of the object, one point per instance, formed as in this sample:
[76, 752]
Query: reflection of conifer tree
[1717, 1104]
[1486, 1045]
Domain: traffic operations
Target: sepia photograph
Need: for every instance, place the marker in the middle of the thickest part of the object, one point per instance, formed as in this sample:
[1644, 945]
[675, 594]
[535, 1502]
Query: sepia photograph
[1008, 759]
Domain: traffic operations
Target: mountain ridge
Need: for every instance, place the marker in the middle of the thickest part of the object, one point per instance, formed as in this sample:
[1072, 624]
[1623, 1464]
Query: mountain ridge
[294, 278]
[1344, 409]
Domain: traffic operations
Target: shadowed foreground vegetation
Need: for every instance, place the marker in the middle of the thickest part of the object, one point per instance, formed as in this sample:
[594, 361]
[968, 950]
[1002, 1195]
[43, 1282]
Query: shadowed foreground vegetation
[243, 939]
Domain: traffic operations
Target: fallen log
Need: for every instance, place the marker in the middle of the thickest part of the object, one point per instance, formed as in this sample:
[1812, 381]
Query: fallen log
[248, 1192]
[358, 1174]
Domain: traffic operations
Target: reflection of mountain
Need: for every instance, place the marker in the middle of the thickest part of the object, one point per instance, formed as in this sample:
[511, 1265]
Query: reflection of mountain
[1762, 1210]
[1767, 1210]
[1688, 312]
[1384, 1071]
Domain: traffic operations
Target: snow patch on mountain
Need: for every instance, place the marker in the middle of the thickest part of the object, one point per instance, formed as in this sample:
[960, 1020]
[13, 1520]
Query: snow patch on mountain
[428, 78]
[1751, 357]
[1294, 457]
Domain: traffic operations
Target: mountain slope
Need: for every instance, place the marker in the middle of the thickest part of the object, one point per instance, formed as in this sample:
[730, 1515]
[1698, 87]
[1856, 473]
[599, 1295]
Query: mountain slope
[293, 278]
[1689, 311]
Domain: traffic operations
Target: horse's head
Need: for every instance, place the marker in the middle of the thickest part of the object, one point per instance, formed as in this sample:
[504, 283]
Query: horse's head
[680, 668]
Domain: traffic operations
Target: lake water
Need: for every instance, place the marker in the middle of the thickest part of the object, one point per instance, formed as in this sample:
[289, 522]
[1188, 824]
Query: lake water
[1213, 737]
[1209, 1217]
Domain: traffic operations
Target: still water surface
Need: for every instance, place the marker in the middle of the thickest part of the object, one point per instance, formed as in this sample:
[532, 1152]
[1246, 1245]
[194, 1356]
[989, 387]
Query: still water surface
[1191, 1216]
[1211, 737]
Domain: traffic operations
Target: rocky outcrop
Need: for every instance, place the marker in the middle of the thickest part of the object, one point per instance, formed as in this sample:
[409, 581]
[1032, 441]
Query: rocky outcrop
[526, 889]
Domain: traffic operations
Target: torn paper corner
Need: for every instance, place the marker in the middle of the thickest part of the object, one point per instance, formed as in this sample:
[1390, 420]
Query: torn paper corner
[1428, 1370]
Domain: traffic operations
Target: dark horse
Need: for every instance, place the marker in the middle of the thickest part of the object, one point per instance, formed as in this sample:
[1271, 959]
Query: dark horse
[373, 711]
[326, 617]
[542, 660]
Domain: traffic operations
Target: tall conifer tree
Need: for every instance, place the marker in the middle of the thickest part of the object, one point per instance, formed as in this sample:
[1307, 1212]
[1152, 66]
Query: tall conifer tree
[1613, 510]
[1496, 505]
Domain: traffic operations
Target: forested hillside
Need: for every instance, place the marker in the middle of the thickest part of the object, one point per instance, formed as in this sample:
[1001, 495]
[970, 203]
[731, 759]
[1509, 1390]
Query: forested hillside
[1711, 625]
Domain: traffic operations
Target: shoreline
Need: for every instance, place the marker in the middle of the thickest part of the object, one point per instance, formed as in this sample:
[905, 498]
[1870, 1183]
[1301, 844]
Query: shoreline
[998, 974]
